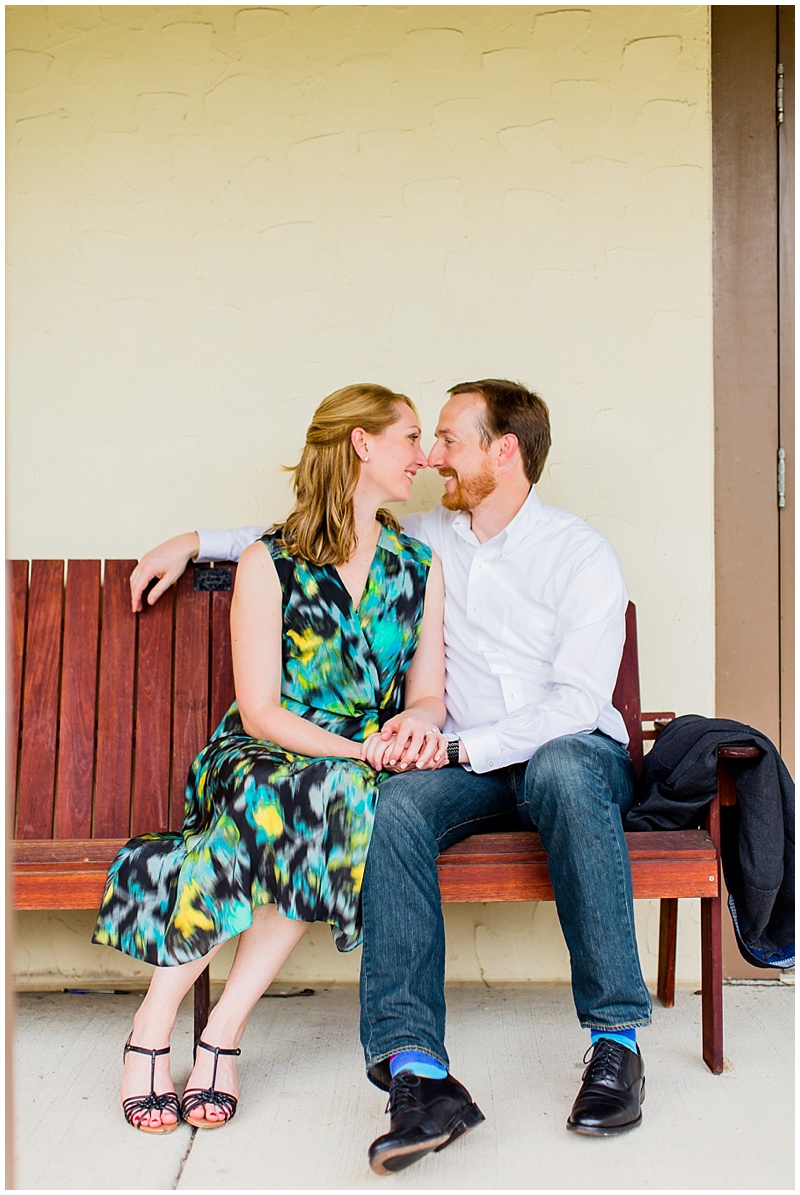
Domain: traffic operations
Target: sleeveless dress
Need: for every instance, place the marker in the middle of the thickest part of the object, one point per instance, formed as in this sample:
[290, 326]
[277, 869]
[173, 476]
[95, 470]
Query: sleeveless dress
[263, 825]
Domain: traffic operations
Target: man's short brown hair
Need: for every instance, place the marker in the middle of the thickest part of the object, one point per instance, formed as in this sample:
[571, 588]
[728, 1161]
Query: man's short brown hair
[513, 410]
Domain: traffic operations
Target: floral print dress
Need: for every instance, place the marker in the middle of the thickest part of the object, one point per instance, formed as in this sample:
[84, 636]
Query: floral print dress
[263, 825]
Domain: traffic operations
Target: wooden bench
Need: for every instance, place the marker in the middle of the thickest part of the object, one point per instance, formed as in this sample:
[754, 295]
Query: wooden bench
[107, 709]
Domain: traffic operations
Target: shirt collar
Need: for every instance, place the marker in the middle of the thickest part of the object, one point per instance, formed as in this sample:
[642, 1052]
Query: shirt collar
[522, 523]
[390, 540]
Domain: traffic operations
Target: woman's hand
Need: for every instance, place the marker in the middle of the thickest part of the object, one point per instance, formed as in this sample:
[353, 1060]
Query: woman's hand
[413, 742]
[434, 751]
[384, 756]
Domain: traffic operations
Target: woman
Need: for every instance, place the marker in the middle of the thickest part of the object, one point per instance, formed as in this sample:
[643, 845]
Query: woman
[335, 616]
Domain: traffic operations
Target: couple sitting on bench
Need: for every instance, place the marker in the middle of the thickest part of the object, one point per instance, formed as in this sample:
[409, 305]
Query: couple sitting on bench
[396, 691]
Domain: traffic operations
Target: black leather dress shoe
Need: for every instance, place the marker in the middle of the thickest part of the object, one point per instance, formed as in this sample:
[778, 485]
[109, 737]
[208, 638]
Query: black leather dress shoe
[612, 1092]
[426, 1115]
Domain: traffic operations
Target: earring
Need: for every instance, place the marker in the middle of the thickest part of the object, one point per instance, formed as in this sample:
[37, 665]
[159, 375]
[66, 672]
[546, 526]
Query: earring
[366, 457]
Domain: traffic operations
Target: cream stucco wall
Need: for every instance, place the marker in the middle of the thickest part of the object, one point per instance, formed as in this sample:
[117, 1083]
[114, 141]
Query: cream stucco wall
[217, 215]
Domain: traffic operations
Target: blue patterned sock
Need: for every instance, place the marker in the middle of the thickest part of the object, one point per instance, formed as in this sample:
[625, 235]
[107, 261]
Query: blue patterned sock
[419, 1063]
[625, 1037]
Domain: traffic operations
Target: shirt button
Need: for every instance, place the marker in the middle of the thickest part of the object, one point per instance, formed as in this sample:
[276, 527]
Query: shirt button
[491, 763]
[474, 609]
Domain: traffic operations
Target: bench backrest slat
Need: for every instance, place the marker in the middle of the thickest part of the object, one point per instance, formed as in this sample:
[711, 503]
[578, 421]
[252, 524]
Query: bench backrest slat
[190, 708]
[17, 598]
[37, 765]
[221, 666]
[74, 782]
[112, 792]
[109, 708]
[626, 696]
[153, 688]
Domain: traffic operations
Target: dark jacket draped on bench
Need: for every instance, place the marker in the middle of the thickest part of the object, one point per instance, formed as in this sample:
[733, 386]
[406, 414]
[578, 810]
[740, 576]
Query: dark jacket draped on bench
[679, 777]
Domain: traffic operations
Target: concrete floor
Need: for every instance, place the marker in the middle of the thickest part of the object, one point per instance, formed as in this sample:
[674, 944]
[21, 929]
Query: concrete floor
[307, 1115]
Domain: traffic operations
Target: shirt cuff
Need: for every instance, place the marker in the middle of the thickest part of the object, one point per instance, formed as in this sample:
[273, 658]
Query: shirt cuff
[214, 545]
[483, 748]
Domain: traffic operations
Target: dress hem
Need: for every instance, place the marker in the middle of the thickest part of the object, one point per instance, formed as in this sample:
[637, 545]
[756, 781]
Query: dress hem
[230, 937]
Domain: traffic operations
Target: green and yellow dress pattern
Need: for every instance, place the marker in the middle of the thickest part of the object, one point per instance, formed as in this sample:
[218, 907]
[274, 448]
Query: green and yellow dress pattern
[263, 825]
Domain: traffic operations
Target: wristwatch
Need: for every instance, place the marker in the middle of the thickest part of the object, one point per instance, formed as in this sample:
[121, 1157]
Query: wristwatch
[453, 750]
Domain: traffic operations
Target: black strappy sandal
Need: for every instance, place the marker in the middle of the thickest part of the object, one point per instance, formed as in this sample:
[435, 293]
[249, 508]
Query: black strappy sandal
[168, 1102]
[195, 1097]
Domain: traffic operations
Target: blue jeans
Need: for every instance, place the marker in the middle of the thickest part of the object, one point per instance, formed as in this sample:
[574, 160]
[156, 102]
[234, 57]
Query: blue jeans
[573, 791]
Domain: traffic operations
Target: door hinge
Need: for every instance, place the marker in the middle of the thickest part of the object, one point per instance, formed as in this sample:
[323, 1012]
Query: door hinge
[781, 477]
[779, 94]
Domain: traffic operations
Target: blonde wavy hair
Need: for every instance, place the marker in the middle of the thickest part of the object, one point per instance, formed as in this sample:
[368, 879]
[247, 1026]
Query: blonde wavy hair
[321, 527]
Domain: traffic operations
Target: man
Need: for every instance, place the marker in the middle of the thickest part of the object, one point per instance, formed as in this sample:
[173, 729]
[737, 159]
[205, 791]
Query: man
[534, 629]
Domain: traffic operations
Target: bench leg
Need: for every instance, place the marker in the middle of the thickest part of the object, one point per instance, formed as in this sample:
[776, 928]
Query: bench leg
[667, 946]
[202, 996]
[711, 930]
[711, 950]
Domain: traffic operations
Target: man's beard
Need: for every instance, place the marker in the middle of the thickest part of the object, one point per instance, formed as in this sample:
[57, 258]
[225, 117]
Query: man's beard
[469, 493]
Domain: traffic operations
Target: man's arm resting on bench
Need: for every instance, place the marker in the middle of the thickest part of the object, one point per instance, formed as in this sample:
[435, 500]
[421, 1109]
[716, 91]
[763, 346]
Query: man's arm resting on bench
[168, 561]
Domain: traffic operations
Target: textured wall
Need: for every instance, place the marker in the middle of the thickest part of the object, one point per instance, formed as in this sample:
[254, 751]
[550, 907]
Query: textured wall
[216, 215]
[485, 944]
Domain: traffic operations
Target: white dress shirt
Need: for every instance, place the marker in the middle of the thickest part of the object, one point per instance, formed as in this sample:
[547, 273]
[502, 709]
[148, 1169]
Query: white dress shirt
[226, 545]
[534, 626]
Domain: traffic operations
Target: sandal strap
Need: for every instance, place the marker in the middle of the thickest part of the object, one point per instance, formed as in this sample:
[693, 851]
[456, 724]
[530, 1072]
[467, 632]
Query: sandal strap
[217, 1049]
[168, 1102]
[142, 1050]
[195, 1097]
[152, 1054]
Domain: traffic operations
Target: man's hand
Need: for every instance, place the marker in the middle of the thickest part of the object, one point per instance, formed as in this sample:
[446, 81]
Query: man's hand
[167, 562]
[375, 751]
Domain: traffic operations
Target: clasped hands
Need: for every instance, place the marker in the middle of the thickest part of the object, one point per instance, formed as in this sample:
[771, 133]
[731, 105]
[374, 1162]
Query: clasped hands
[405, 742]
